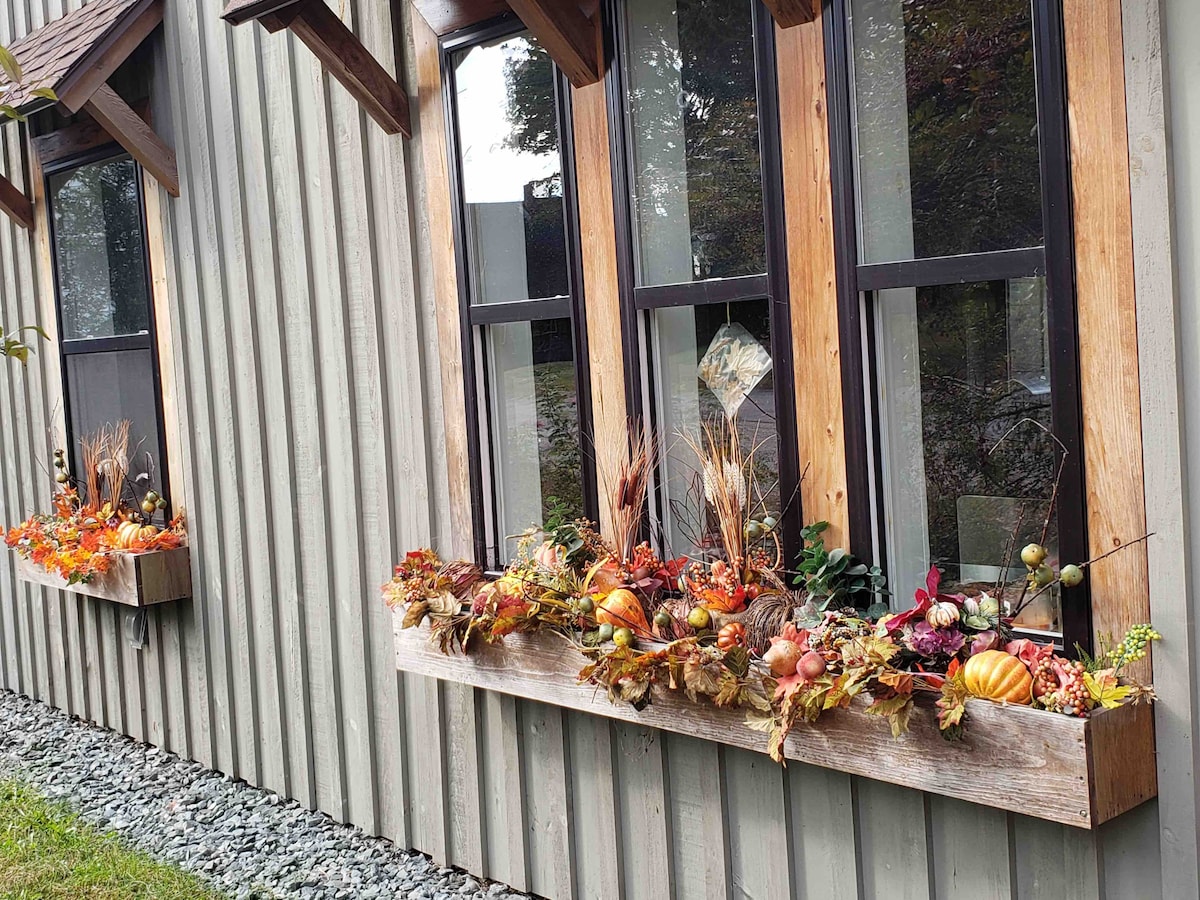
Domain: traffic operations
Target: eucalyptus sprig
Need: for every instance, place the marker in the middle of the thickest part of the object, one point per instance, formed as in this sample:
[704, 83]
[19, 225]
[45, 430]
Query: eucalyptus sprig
[837, 578]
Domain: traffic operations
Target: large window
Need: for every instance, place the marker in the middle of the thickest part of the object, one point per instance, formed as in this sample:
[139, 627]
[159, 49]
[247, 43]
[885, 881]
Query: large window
[524, 346]
[704, 267]
[954, 213]
[105, 313]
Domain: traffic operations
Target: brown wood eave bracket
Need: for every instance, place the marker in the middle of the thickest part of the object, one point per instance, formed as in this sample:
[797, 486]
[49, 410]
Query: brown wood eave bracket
[793, 12]
[339, 50]
[15, 204]
[570, 36]
[131, 131]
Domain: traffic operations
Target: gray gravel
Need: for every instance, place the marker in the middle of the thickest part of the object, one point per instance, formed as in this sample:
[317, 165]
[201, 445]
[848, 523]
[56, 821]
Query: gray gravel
[245, 841]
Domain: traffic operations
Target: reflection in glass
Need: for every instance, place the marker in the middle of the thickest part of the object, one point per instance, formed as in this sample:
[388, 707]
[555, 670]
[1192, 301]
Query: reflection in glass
[99, 250]
[105, 388]
[681, 336]
[511, 171]
[693, 130]
[946, 127]
[533, 411]
[961, 368]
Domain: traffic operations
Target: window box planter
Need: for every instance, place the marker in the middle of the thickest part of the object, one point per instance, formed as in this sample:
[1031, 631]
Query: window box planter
[1079, 772]
[134, 579]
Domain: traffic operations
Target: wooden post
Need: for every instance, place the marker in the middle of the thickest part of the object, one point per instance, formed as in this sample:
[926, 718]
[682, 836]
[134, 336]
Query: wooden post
[342, 53]
[131, 132]
[15, 204]
[793, 12]
[571, 38]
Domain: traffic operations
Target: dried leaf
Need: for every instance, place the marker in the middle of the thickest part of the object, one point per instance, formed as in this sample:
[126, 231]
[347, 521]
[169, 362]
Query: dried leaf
[415, 615]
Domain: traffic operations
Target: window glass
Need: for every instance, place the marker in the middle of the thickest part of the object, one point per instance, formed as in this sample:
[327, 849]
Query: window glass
[964, 386]
[690, 392]
[106, 388]
[532, 406]
[99, 249]
[511, 171]
[946, 127]
[693, 133]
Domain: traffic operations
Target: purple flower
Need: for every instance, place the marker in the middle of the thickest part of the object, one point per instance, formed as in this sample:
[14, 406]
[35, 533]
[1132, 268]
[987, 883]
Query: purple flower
[926, 640]
[985, 640]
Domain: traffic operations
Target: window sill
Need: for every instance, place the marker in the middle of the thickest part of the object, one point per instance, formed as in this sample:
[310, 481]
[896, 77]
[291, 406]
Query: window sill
[1079, 772]
[134, 579]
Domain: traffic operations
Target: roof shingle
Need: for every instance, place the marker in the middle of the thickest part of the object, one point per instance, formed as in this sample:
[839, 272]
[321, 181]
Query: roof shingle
[49, 55]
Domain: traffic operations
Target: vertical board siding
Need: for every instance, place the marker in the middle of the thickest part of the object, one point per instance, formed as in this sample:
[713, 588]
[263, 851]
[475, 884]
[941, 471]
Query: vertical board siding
[303, 283]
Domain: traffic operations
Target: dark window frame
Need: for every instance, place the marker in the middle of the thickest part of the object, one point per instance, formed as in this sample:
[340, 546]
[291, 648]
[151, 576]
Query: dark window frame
[474, 317]
[772, 286]
[120, 343]
[1054, 260]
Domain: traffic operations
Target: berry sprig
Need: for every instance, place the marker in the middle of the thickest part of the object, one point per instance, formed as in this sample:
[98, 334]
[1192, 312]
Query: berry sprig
[1132, 647]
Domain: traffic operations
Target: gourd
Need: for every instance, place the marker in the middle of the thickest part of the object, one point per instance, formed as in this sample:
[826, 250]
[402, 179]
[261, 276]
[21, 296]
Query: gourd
[131, 533]
[732, 635]
[622, 609]
[996, 675]
[942, 615]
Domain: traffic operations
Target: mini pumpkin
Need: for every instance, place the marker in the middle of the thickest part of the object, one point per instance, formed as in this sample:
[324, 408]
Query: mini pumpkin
[996, 675]
[942, 615]
[127, 533]
[622, 609]
[732, 635]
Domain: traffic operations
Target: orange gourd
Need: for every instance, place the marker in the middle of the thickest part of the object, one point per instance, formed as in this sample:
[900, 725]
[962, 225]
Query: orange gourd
[732, 635]
[622, 609]
[996, 675]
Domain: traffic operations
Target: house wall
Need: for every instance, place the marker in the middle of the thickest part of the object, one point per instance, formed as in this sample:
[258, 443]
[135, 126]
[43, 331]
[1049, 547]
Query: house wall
[304, 383]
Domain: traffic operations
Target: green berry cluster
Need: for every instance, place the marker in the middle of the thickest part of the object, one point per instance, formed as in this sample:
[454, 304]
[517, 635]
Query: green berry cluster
[1133, 647]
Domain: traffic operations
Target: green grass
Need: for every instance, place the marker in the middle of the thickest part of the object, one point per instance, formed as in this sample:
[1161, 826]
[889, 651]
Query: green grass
[47, 852]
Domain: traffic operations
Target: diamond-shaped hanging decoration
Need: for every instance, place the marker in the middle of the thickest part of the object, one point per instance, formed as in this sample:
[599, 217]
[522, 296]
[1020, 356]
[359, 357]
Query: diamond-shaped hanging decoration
[733, 366]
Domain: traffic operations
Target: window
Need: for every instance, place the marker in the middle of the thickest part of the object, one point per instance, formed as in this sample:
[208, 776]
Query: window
[953, 206]
[105, 313]
[523, 337]
[703, 253]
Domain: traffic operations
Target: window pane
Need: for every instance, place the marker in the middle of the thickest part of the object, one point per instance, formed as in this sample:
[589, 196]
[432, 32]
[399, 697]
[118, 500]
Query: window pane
[961, 367]
[100, 250]
[511, 171]
[682, 338]
[105, 388]
[693, 130]
[533, 411]
[946, 127]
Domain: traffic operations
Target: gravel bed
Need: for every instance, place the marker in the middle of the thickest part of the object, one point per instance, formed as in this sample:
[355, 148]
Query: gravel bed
[245, 841]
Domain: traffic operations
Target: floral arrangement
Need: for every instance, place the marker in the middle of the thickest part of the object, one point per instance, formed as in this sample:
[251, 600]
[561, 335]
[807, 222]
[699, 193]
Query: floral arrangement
[727, 628]
[77, 541]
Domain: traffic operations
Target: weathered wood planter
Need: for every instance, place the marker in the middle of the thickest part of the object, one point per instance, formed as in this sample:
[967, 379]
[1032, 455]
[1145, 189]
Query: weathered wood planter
[134, 579]
[1080, 772]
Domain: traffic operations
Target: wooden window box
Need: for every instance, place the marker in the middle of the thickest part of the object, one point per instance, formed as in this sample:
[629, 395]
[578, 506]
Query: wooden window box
[134, 579]
[1080, 772]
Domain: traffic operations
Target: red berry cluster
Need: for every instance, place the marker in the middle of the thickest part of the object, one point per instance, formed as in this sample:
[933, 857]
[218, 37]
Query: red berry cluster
[1058, 685]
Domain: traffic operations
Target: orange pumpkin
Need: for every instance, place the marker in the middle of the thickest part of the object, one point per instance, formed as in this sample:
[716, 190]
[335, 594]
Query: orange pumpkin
[996, 675]
[622, 609]
[732, 635]
[147, 533]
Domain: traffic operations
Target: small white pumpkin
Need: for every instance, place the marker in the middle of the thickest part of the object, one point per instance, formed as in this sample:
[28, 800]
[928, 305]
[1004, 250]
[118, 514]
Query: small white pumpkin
[942, 615]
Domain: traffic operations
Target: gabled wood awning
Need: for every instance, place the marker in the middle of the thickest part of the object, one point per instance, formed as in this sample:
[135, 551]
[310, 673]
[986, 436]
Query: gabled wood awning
[568, 29]
[338, 49]
[68, 63]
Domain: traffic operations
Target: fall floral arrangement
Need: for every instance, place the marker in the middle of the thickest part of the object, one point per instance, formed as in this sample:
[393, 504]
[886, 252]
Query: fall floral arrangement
[734, 629]
[94, 519]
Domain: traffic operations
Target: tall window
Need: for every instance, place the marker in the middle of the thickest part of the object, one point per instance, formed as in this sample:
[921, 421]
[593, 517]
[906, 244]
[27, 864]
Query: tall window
[105, 313]
[952, 120]
[704, 249]
[523, 336]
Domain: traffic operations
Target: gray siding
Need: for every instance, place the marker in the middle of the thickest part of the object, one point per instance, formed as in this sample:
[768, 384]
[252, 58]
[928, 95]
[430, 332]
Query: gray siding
[306, 391]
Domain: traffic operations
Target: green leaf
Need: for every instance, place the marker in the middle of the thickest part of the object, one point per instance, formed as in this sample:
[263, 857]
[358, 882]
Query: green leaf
[12, 113]
[11, 67]
[836, 555]
[45, 93]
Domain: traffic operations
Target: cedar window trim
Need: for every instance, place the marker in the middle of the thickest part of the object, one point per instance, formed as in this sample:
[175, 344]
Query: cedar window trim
[84, 88]
[338, 49]
[1054, 260]
[474, 317]
[771, 286]
[118, 343]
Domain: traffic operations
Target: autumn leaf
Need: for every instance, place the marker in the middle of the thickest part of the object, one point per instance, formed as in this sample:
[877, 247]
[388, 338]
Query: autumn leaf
[415, 615]
[1105, 689]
